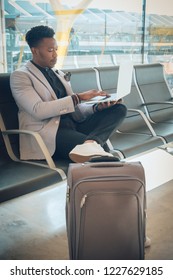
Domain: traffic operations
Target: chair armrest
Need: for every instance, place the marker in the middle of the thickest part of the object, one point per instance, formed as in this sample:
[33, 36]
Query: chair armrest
[145, 120]
[158, 102]
[40, 143]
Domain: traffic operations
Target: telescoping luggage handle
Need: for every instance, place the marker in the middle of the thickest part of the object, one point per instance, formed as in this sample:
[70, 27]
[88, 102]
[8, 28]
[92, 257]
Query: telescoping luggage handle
[105, 161]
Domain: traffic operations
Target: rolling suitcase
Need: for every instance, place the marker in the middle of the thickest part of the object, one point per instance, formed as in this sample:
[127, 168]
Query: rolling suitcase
[105, 210]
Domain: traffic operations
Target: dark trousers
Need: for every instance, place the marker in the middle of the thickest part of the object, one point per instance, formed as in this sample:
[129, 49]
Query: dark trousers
[98, 127]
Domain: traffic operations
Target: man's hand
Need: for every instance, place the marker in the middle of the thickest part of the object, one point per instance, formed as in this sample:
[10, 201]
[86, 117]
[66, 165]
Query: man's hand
[103, 105]
[87, 95]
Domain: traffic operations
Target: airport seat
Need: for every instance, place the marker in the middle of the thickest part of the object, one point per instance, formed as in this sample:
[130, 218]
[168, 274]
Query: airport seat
[137, 58]
[70, 61]
[136, 134]
[86, 61]
[107, 77]
[19, 178]
[40, 173]
[122, 57]
[105, 60]
[156, 98]
[114, 59]
[83, 79]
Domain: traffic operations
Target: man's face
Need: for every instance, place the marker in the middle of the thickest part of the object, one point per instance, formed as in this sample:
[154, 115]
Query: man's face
[45, 54]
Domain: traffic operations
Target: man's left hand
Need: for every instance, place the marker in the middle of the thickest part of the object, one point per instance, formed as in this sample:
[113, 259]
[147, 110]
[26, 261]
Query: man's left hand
[103, 105]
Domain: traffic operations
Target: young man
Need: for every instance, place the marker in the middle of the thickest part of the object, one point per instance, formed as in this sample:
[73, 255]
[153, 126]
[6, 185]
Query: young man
[68, 125]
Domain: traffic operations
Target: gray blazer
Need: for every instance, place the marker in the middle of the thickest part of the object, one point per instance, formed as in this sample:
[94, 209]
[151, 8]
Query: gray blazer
[40, 110]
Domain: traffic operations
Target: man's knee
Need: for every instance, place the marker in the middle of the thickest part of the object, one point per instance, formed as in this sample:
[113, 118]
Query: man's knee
[121, 110]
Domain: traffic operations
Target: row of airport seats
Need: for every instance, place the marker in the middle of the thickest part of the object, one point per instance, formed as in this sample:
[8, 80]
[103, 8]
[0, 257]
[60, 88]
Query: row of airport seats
[149, 124]
[84, 61]
[150, 106]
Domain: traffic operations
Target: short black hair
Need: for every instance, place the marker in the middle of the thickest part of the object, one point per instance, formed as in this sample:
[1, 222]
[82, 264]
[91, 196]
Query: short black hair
[37, 33]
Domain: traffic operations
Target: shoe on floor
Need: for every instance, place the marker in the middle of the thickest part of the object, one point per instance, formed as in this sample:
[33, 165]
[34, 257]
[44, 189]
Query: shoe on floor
[147, 242]
[84, 152]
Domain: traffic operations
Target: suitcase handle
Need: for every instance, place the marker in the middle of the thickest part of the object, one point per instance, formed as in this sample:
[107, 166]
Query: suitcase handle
[104, 159]
[107, 164]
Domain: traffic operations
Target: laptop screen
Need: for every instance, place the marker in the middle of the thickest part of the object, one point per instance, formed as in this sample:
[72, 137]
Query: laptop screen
[123, 86]
[124, 79]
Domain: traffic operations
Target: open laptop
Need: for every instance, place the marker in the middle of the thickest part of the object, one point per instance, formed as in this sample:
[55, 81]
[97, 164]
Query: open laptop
[123, 87]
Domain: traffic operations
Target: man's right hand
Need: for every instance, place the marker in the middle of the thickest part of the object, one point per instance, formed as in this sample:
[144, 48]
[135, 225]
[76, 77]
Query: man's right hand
[87, 95]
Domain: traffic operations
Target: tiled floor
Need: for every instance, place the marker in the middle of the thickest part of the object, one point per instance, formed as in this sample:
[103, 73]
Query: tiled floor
[160, 222]
[33, 226]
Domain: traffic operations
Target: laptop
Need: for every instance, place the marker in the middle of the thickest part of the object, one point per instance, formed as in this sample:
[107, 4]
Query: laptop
[123, 87]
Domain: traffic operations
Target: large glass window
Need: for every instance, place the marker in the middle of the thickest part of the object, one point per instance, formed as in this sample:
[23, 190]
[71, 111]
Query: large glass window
[159, 30]
[159, 34]
[90, 35]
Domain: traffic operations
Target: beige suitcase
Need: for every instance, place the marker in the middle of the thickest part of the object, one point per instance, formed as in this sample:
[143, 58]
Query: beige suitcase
[106, 211]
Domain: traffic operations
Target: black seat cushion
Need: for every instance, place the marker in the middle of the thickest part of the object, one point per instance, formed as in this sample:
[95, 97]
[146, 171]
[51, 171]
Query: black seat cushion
[19, 178]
